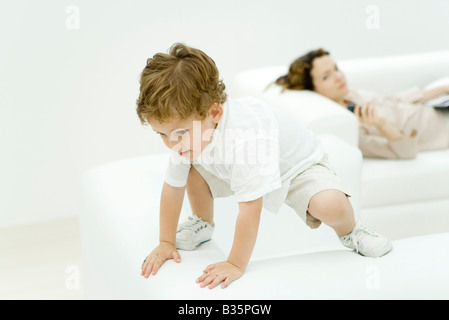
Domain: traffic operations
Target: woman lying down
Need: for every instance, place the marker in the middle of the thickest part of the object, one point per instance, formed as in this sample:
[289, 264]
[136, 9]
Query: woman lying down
[393, 127]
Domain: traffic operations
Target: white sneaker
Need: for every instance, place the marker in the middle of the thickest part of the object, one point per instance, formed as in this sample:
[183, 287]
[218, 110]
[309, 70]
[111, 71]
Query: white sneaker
[366, 242]
[192, 233]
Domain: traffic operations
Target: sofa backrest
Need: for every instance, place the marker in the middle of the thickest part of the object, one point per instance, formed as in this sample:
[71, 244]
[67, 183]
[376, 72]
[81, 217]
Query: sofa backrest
[387, 75]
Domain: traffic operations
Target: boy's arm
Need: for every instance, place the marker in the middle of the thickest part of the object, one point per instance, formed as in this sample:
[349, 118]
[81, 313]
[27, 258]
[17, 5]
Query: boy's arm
[170, 208]
[246, 228]
[245, 236]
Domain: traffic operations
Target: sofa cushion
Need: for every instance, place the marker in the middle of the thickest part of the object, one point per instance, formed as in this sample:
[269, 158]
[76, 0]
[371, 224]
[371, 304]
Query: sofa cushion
[119, 227]
[389, 182]
[416, 268]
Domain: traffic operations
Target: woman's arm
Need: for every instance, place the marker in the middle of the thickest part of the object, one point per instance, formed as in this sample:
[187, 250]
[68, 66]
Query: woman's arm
[433, 93]
[376, 146]
[390, 132]
[368, 115]
[393, 144]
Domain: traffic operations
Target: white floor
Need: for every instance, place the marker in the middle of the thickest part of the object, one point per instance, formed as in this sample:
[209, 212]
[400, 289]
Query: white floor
[41, 261]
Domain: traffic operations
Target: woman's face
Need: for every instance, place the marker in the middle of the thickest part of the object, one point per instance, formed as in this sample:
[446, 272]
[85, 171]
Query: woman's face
[328, 80]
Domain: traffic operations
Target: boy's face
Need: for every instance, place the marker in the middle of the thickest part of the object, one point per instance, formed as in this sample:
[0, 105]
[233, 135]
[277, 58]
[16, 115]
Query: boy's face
[190, 136]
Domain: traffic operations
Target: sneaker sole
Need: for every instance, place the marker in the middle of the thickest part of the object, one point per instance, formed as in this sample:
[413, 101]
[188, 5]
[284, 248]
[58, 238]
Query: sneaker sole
[188, 246]
[380, 252]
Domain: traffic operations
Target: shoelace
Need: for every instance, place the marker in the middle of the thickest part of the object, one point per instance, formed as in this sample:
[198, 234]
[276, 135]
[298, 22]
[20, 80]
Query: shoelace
[193, 223]
[347, 240]
[357, 235]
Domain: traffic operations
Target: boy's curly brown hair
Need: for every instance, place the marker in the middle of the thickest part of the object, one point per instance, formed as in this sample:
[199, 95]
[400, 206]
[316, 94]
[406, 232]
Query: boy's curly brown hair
[299, 74]
[177, 85]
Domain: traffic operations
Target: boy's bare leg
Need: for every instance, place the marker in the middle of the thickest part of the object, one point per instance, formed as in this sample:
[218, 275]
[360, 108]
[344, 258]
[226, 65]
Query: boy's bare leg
[333, 208]
[200, 196]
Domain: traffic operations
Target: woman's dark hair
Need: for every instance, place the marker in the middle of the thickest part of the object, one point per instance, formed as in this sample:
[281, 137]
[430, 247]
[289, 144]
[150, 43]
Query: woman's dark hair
[298, 76]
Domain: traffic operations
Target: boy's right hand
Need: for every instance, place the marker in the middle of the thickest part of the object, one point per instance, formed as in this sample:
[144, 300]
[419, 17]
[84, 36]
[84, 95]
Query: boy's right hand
[157, 257]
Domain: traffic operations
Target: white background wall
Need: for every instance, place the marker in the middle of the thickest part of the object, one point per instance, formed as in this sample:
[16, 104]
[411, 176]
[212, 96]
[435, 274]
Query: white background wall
[67, 96]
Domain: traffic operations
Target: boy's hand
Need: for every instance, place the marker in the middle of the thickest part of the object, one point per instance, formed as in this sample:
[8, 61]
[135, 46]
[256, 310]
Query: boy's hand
[157, 257]
[223, 272]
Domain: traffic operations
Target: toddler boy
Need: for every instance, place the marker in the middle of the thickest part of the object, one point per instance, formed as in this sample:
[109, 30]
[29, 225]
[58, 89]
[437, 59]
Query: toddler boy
[242, 147]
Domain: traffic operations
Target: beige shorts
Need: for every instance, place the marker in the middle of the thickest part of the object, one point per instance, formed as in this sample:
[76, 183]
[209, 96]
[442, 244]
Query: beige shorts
[303, 187]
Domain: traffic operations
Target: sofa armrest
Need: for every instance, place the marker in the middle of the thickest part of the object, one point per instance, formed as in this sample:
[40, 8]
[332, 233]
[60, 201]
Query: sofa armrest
[392, 74]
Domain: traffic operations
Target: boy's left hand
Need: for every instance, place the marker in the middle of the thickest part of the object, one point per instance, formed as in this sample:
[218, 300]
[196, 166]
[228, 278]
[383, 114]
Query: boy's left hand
[222, 272]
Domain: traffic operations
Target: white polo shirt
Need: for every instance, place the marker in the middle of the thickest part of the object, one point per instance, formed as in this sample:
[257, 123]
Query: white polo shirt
[256, 149]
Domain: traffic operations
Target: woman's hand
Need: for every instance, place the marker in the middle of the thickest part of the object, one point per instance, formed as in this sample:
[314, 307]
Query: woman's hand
[222, 272]
[367, 115]
[157, 257]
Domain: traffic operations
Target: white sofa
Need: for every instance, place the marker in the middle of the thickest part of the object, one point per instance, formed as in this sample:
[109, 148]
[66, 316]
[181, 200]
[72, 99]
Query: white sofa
[119, 227]
[400, 198]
